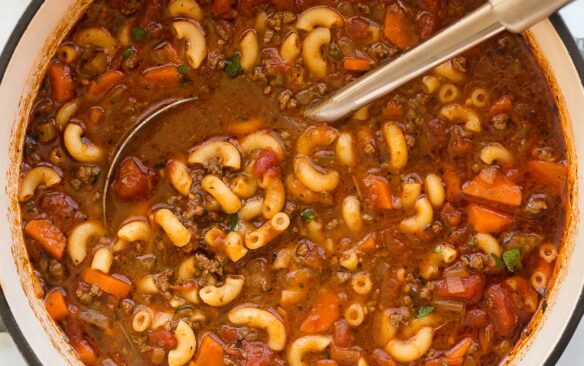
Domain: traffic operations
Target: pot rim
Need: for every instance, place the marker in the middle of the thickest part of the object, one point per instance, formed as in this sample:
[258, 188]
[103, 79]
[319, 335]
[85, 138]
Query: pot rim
[9, 320]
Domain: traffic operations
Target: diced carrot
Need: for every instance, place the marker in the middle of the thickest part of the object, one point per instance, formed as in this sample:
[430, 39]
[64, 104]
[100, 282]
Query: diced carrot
[109, 284]
[444, 361]
[367, 244]
[171, 53]
[56, 304]
[398, 28]
[210, 353]
[553, 174]
[105, 82]
[502, 105]
[85, 351]
[357, 64]
[50, 237]
[378, 191]
[322, 316]
[487, 220]
[460, 349]
[163, 74]
[326, 362]
[453, 184]
[394, 109]
[62, 83]
[501, 189]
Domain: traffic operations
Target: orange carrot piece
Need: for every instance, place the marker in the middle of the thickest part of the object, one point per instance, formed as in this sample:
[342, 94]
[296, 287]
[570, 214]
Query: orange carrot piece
[56, 304]
[460, 349]
[398, 28]
[487, 220]
[109, 284]
[85, 352]
[105, 82]
[162, 74]
[326, 310]
[240, 128]
[444, 361]
[368, 243]
[210, 353]
[326, 362]
[502, 105]
[357, 64]
[171, 53]
[553, 174]
[62, 83]
[378, 191]
[50, 237]
[501, 190]
[394, 109]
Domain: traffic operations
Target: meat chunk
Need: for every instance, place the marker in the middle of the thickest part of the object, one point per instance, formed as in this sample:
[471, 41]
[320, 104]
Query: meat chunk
[134, 180]
[61, 209]
[501, 310]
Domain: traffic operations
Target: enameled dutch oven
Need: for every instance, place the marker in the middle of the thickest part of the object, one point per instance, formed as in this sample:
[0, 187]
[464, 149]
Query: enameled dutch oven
[22, 65]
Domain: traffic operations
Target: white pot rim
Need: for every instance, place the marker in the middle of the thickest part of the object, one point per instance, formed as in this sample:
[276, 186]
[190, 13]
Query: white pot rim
[32, 353]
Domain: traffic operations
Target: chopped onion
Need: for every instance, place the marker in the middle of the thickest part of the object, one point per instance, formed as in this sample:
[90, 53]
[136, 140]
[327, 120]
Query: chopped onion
[446, 306]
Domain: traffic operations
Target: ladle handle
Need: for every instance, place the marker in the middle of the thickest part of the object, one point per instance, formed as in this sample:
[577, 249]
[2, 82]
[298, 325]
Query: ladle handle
[481, 24]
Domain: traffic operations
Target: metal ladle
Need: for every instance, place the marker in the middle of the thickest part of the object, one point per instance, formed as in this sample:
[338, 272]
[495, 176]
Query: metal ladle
[119, 150]
[483, 23]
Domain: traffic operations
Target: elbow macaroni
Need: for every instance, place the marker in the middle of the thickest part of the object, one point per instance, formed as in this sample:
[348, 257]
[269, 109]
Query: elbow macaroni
[185, 8]
[79, 239]
[319, 16]
[307, 344]
[396, 145]
[262, 140]
[290, 49]
[458, 113]
[178, 234]
[196, 43]
[411, 349]
[249, 50]
[424, 215]
[313, 177]
[228, 200]
[351, 212]
[314, 137]
[265, 320]
[225, 151]
[267, 232]
[102, 260]
[44, 175]
[179, 175]
[222, 295]
[275, 196]
[186, 345]
[312, 51]
[80, 149]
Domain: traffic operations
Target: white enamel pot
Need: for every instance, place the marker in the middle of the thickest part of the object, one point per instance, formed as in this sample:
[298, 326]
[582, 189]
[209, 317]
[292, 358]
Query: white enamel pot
[22, 66]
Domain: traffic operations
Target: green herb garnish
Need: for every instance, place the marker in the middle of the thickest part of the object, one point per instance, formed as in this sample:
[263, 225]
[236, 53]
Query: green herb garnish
[234, 222]
[424, 311]
[498, 262]
[437, 249]
[127, 52]
[139, 33]
[233, 66]
[512, 259]
[335, 52]
[308, 214]
[183, 69]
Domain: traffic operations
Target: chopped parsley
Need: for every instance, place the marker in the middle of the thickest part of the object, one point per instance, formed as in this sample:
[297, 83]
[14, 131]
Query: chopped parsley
[308, 214]
[183, 69]
[424, 311]
[335, 52]
[127, 52]
[139, 33]
[234, 222]
[233, 66]
[498, 262]
[512, 259]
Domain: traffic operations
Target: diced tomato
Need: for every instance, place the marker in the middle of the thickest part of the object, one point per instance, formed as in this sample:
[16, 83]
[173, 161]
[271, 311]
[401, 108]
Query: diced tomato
[342, 336]
[345, 356]
[61, 208]
[487, 220]
[398, 28]
[378, 191]
[500, 309]
[267, 162]
[428, 25]
[49, 237]
[134, 180]
[324, 313]
[258, 354]
[553, 174]
[358, 28]
[499, 189]
[467, 289]
[62, 83]
[162, 338]
[394, 109]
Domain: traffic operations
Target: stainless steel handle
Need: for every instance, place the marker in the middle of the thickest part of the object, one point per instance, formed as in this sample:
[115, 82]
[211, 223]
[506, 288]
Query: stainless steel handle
[476, 27]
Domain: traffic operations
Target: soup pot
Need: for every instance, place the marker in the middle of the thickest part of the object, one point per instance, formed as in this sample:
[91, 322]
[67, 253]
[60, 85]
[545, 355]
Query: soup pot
[22, 65]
